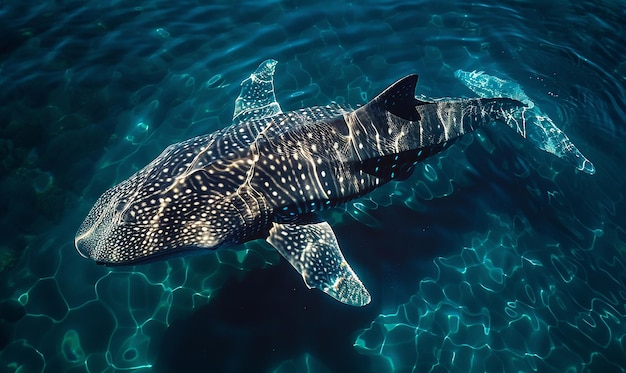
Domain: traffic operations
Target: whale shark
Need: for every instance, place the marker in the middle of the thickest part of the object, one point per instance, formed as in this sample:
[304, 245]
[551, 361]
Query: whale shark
[268, 174]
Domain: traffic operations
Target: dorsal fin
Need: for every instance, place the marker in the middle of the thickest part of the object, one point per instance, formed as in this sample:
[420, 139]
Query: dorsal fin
[399, 99]
[257, 99]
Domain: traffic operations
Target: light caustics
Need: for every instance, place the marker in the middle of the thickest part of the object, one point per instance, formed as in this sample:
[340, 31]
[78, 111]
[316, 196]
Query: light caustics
[507, 301]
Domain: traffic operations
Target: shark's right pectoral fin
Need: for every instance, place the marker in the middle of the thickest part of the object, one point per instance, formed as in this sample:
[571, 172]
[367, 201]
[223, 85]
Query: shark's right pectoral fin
[312, 249]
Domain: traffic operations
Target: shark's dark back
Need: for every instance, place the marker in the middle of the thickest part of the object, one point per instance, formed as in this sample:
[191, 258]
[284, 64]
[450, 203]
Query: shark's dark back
[267, 174]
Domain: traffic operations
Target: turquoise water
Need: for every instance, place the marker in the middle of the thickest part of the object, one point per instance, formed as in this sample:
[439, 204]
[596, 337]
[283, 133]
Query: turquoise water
[493, 256]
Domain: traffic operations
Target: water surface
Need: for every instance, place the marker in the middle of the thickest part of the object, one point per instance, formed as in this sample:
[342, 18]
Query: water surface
[493, 256]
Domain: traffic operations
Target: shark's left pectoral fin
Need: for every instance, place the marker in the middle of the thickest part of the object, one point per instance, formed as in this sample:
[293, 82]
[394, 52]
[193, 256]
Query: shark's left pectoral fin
[312, 249]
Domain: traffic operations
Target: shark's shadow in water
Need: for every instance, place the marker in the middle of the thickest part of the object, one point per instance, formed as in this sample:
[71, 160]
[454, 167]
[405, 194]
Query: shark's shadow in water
[259, 323]
[267, 318]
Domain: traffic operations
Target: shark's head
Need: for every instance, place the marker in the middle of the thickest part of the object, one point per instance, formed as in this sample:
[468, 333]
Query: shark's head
[106, 234]
[159, 213]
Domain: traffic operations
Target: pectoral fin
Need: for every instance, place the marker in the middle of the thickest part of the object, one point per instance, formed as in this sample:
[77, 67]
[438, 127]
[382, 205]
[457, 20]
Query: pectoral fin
[312, 249]
[257, 99]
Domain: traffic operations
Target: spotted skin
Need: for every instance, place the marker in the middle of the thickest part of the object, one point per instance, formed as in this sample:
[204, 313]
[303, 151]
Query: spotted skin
[267, 174]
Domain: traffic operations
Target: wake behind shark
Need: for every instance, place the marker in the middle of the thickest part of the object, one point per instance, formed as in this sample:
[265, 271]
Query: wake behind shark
[266, 176]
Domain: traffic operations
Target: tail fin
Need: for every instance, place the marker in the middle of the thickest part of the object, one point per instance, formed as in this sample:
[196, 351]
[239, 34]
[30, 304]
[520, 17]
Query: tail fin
[529, 122]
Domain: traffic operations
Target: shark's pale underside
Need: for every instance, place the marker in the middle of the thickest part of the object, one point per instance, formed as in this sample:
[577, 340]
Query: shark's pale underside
[266, 176]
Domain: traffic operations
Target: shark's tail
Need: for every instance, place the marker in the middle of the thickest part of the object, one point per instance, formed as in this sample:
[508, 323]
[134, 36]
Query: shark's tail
[529, 122]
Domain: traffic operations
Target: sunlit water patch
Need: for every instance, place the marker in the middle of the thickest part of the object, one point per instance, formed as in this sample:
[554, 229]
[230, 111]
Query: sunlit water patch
[508, 301]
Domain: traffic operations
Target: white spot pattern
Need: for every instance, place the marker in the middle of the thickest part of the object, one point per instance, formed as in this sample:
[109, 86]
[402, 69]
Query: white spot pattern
[268, 170]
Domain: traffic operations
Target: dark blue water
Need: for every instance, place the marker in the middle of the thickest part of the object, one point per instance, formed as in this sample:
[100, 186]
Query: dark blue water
[493, 256]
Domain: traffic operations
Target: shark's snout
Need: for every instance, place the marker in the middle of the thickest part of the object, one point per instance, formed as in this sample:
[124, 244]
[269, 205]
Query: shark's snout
[86, 241]
[81, 244]
[95, 229]
[94, 242]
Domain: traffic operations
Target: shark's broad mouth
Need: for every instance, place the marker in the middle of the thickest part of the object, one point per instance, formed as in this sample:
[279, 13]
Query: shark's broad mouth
[266, 176]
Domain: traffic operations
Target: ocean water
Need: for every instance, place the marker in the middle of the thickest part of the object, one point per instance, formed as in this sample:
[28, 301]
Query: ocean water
[493, 256]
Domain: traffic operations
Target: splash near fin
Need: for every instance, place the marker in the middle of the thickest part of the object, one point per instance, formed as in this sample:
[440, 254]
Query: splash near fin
[312, 249]
[257, 99]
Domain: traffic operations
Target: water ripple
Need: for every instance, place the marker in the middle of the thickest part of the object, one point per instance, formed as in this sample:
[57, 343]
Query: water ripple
[519, 267]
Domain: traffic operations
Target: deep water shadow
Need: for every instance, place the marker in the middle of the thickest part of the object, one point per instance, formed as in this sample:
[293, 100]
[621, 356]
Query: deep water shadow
[255, 324]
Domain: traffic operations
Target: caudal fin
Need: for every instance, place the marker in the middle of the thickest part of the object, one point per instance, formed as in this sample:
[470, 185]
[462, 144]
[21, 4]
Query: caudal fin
[531, 122]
